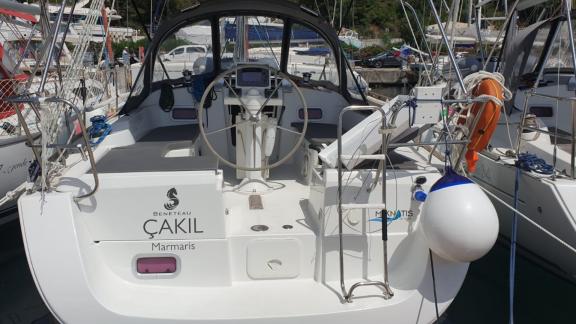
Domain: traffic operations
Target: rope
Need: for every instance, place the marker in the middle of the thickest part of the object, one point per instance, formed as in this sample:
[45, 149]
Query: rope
[100, 129]
[532, 163]
[473, 80]
[53, 120]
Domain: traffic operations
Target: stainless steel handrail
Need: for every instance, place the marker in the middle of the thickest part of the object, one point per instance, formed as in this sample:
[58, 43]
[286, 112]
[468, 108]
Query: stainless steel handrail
[538, 130]
[24, 125]
[396, 145]
[543, 95]
[85, 138]
[87, 144]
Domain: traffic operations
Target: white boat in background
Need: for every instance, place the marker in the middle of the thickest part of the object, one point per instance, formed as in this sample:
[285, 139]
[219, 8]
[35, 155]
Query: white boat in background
[198, 34]
[351, 38]
[232, 195]
[95, 91]
[537, 134]
[15, 155]
[77, 14]
[478, 31]
[464, 34]
[22, 30]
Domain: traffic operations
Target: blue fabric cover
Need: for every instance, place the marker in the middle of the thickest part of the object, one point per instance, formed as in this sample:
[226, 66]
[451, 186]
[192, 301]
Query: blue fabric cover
[450, 178]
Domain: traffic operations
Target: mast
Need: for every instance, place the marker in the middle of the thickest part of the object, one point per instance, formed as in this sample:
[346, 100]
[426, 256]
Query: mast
[470, 10]
[107, 38]
[241, 49]
[340, 25]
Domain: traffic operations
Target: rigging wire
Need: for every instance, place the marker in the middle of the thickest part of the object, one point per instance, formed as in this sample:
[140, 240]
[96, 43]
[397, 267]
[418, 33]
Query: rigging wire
[58, 66]
[439, 44]
[460, 10]
[513, 238]
[451, 22]
[559, 59]
[45, 31]
[353, 15]
[317, 6]
[27, 44]
[141, 21]
[327, 6]
[334, 13]
[267, 40]
[526, 218]
[428, 74]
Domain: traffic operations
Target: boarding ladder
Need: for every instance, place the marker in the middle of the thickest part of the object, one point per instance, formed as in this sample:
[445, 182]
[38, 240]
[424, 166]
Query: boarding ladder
[385, 132]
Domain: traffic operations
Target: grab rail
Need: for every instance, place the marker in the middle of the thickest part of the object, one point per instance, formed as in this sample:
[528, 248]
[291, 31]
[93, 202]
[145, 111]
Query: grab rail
[85, 137]
[87, 145]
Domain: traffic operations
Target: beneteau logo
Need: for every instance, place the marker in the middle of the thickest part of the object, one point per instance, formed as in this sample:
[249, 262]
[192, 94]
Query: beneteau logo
[171, 221]
[173, 203]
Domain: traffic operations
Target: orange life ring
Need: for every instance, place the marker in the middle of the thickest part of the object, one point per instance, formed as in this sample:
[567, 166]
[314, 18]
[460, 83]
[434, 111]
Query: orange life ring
[488, 120]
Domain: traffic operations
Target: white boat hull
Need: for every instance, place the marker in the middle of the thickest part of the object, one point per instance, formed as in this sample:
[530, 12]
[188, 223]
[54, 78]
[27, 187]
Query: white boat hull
[77, 278]
[15, 157]
[549, 203]
[225, 277]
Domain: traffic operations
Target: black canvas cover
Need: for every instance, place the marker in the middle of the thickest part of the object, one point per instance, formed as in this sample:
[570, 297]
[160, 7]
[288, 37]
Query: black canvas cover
[212, 10]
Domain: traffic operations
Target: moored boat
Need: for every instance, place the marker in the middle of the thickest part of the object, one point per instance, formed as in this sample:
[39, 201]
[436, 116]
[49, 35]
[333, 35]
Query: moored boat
[530, 163]
[252, 190]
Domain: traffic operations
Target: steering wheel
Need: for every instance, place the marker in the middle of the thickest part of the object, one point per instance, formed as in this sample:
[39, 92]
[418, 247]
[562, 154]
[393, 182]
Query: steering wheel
[254, 118]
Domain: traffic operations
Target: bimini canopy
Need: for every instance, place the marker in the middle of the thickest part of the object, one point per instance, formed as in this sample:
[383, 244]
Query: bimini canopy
[525, 52]
[296, 38]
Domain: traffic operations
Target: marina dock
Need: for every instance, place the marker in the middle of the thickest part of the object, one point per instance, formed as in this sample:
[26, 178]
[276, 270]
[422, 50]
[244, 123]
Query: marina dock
[386, 76]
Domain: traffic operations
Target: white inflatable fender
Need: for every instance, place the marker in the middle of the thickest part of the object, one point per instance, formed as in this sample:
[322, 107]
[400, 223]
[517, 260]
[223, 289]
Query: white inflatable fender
[458, 220]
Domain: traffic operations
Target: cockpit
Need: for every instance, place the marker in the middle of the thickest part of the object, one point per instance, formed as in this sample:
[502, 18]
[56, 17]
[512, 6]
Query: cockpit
[252, 92]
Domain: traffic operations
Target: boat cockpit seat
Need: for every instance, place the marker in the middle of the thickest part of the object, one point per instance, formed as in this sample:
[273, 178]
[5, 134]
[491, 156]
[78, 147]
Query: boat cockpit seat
[318, 134]
[170, 134]
[162, 149]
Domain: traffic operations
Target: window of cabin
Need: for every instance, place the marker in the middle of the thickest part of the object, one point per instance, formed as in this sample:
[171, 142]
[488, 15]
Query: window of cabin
[310, 54]
[560, 53]
[177, 57]
[251, 39]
